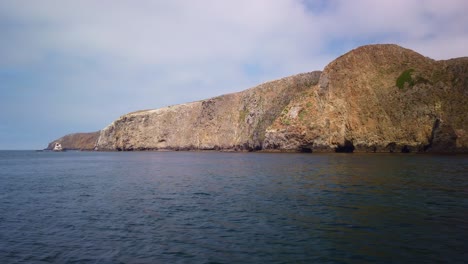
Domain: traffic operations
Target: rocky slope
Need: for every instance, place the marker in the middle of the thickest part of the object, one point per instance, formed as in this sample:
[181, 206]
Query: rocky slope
[235, 121]
[379, 98]
[77, 141]
[376, 98]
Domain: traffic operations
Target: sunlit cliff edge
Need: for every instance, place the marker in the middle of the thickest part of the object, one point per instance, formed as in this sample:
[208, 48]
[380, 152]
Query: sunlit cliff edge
[376, 98]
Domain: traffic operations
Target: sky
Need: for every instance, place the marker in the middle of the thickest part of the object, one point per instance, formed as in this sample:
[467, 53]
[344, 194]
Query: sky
[75, 66]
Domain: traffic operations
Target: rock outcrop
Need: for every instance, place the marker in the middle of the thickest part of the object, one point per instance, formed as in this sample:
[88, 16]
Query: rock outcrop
[376, 98]
[379, 98]
[235, 121]
[76, 141]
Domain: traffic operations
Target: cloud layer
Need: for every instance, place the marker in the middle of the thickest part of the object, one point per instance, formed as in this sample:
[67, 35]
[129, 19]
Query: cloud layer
[69, 66]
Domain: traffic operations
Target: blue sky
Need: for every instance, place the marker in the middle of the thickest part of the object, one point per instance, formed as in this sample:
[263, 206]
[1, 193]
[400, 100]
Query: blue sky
[75, 66]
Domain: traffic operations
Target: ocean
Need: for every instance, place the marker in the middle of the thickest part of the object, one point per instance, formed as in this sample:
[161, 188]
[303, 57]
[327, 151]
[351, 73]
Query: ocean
[216, 207]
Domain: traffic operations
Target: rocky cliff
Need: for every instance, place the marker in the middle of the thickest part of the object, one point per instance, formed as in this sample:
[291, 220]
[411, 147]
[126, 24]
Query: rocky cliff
[379, 98]
[235, 121]
[376, 98]
[76, 141]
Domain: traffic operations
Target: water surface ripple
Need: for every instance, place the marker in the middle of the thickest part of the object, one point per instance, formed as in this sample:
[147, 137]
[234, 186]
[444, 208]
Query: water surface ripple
[210, 207]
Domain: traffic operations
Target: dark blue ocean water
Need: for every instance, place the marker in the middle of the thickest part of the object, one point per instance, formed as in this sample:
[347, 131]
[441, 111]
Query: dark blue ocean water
[211, 207]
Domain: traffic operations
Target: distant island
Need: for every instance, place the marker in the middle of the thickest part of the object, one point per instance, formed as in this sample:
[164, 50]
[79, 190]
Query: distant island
[375, 98]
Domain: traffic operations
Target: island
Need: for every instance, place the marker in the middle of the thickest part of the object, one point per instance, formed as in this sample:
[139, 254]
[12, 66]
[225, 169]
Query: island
[375, 98]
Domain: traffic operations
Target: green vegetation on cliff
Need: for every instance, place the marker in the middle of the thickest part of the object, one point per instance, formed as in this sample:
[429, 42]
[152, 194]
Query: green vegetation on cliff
[405, 77]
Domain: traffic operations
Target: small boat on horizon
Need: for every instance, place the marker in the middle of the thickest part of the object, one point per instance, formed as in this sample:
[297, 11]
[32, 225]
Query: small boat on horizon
[57, 147]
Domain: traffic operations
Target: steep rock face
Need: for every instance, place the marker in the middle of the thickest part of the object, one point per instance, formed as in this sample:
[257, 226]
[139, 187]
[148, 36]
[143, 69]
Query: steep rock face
[235, 121]
[77, 141]
[379, 98]
[376, 98]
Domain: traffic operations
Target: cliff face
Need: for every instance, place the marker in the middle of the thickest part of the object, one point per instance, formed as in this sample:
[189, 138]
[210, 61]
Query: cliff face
[379, 98]
[376, 98]
[77, 141]
[235, 121]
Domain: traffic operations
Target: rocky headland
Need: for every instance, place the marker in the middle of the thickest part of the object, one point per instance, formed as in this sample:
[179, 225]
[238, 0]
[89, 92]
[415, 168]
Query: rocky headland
[77, 141]
[376, 98]
[236, 121]
[379, 98]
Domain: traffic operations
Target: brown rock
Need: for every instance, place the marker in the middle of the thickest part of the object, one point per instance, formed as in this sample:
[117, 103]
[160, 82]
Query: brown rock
[357, 106]
[235, 121]
[376, 98]
[77, 141]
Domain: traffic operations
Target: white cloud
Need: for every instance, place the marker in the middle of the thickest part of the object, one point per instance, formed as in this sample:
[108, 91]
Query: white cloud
[172, 32]
[435, 28]
[111, 57]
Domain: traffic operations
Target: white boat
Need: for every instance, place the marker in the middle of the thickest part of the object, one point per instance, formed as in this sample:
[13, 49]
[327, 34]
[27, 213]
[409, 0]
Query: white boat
[57, 147]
